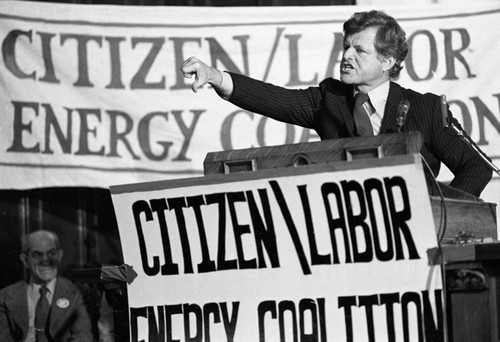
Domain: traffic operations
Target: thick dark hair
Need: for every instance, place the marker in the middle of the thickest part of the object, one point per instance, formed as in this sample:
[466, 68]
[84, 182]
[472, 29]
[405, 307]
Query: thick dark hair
[390, 40]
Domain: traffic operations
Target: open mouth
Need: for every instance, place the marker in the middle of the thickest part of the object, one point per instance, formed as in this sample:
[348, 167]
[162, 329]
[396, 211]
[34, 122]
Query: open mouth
[346, 67]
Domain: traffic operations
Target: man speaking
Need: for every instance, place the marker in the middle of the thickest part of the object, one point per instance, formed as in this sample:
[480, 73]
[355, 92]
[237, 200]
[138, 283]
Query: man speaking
[365, 101]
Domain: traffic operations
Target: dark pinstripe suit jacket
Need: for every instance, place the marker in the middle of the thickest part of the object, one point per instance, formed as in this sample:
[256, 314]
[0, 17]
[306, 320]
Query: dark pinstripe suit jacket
[327, 109]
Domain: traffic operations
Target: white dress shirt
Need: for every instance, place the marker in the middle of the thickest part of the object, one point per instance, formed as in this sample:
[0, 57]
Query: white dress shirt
[376, 107]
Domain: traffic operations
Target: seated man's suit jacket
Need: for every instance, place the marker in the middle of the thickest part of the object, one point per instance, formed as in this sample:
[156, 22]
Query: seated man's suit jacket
[327, 109]
[68, 320]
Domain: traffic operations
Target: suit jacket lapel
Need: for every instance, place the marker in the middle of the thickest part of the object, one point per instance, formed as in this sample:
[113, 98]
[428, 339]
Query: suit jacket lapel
[345, 94]
[351, 126]
[60, 302]
[391, 109]
[18, 306]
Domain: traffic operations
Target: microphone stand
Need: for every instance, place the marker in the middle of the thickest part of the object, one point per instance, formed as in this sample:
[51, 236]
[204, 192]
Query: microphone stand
[453, 124]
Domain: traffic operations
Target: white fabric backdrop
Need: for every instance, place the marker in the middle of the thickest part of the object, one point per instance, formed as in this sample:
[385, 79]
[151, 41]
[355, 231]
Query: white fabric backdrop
[92, 95]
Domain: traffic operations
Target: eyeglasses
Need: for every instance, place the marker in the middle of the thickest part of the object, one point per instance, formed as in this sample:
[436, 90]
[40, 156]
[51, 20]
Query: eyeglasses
[37, 255]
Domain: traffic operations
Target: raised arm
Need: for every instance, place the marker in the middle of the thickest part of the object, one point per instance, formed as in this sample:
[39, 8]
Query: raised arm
[203, 74]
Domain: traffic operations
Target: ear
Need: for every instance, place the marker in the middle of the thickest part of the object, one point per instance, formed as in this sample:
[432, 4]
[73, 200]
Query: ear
[61, 252]
[388, 63]
[24, 260]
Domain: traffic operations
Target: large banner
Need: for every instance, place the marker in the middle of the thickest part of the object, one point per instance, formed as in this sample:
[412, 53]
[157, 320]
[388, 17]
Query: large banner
[318, 253]
[93, 95]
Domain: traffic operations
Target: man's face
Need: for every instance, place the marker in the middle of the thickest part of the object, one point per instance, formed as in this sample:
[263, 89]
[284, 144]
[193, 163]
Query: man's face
[43, 258]
[361, 65]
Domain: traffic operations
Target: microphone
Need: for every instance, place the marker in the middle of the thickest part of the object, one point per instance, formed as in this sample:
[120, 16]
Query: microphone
[444, 112]
[403, 108]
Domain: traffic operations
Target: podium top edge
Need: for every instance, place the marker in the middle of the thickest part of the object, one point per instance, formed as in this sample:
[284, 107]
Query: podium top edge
[268, 173]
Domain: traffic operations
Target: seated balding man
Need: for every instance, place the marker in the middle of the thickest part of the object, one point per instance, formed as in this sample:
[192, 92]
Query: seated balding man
[46, 307]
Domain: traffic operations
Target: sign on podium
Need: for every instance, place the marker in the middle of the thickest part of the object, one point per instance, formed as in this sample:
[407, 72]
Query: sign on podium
[328, 252]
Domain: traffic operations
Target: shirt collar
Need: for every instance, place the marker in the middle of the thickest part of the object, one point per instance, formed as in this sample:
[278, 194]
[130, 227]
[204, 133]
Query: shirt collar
[51, 286]
[378, 97]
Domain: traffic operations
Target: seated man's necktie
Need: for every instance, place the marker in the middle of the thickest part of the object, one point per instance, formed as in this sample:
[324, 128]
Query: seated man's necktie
[41, 315]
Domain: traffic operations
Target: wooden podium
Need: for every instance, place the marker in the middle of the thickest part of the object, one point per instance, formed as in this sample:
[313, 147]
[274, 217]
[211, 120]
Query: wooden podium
[473, 288]
[470, 250]
[320, 152]
[467, 217]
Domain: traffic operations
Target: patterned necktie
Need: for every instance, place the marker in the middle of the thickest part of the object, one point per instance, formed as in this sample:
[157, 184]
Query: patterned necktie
[41, 315]
[363, 123]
